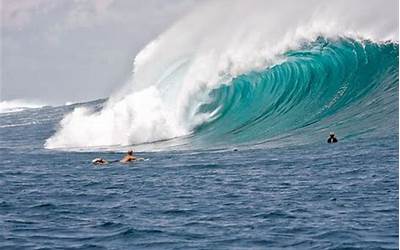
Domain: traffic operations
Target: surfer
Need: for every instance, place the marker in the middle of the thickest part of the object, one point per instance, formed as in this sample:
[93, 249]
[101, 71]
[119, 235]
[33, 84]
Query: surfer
[99, 161]
[332, 138]
[128, 157]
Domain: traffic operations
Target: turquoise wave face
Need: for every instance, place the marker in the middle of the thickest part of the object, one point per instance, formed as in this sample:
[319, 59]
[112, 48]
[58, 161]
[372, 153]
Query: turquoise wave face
[345, 86]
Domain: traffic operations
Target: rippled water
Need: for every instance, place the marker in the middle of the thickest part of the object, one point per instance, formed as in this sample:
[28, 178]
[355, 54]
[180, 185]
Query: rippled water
[317, 196]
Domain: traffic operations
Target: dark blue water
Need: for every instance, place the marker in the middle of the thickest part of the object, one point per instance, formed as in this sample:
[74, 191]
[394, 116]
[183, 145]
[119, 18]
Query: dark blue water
[314, 196]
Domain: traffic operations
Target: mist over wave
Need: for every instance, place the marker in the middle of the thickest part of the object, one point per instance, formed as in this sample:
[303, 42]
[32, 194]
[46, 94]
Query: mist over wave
[229, 65]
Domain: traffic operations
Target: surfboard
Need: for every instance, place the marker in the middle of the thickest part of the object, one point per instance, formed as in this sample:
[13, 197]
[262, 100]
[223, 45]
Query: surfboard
[101, 161]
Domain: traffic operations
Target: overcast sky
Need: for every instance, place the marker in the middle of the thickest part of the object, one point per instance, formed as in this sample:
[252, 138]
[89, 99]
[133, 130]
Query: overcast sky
[76, 50]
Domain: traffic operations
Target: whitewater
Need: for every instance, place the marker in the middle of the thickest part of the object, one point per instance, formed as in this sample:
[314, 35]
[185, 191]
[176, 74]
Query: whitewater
[213, 47]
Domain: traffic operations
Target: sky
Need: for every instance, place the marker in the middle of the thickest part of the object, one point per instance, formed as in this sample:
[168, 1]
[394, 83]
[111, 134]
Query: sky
[55, 52]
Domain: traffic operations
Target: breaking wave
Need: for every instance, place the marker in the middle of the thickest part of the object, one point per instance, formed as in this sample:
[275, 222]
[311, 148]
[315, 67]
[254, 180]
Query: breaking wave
[288, 72]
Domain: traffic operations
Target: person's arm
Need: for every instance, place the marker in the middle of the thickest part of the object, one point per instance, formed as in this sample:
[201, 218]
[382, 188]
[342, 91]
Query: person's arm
[128, 158]
[124, 160]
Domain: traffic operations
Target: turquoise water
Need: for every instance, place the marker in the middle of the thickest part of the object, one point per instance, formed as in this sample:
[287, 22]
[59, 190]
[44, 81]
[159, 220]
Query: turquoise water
[285, 187]
[344, 86]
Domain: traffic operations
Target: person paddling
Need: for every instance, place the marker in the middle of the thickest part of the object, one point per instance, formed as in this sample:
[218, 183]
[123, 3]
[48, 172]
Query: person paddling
[128, 157]
[99, 161]
[332, 138]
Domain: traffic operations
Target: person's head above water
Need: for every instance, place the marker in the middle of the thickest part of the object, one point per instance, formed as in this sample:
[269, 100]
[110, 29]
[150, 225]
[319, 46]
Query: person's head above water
[332, 138]
[130, 152]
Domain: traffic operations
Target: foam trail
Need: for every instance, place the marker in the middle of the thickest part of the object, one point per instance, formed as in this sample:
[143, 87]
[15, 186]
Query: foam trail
[218, 41]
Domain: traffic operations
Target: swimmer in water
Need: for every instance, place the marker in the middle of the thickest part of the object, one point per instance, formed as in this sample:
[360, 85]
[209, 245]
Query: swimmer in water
[99, 161]
[128, 157]
[332, 138]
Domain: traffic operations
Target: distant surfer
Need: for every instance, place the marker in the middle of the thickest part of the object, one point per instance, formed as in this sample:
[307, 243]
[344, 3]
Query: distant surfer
[332, 138]
[99, 161]
[128, 157]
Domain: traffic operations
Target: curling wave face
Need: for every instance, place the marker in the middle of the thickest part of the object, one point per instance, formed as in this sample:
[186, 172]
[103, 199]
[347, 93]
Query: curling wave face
[286, 74]
[344, 85]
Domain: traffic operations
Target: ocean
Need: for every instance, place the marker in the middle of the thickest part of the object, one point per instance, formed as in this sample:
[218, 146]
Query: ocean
[259, 176]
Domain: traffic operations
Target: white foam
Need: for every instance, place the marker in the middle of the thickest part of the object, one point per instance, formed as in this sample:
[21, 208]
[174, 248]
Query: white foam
[138, 117]
[69, 103]
[17, 105]
[216, 42]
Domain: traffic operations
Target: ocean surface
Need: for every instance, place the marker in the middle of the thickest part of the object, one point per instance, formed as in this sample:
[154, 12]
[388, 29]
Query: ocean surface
[316, 196]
